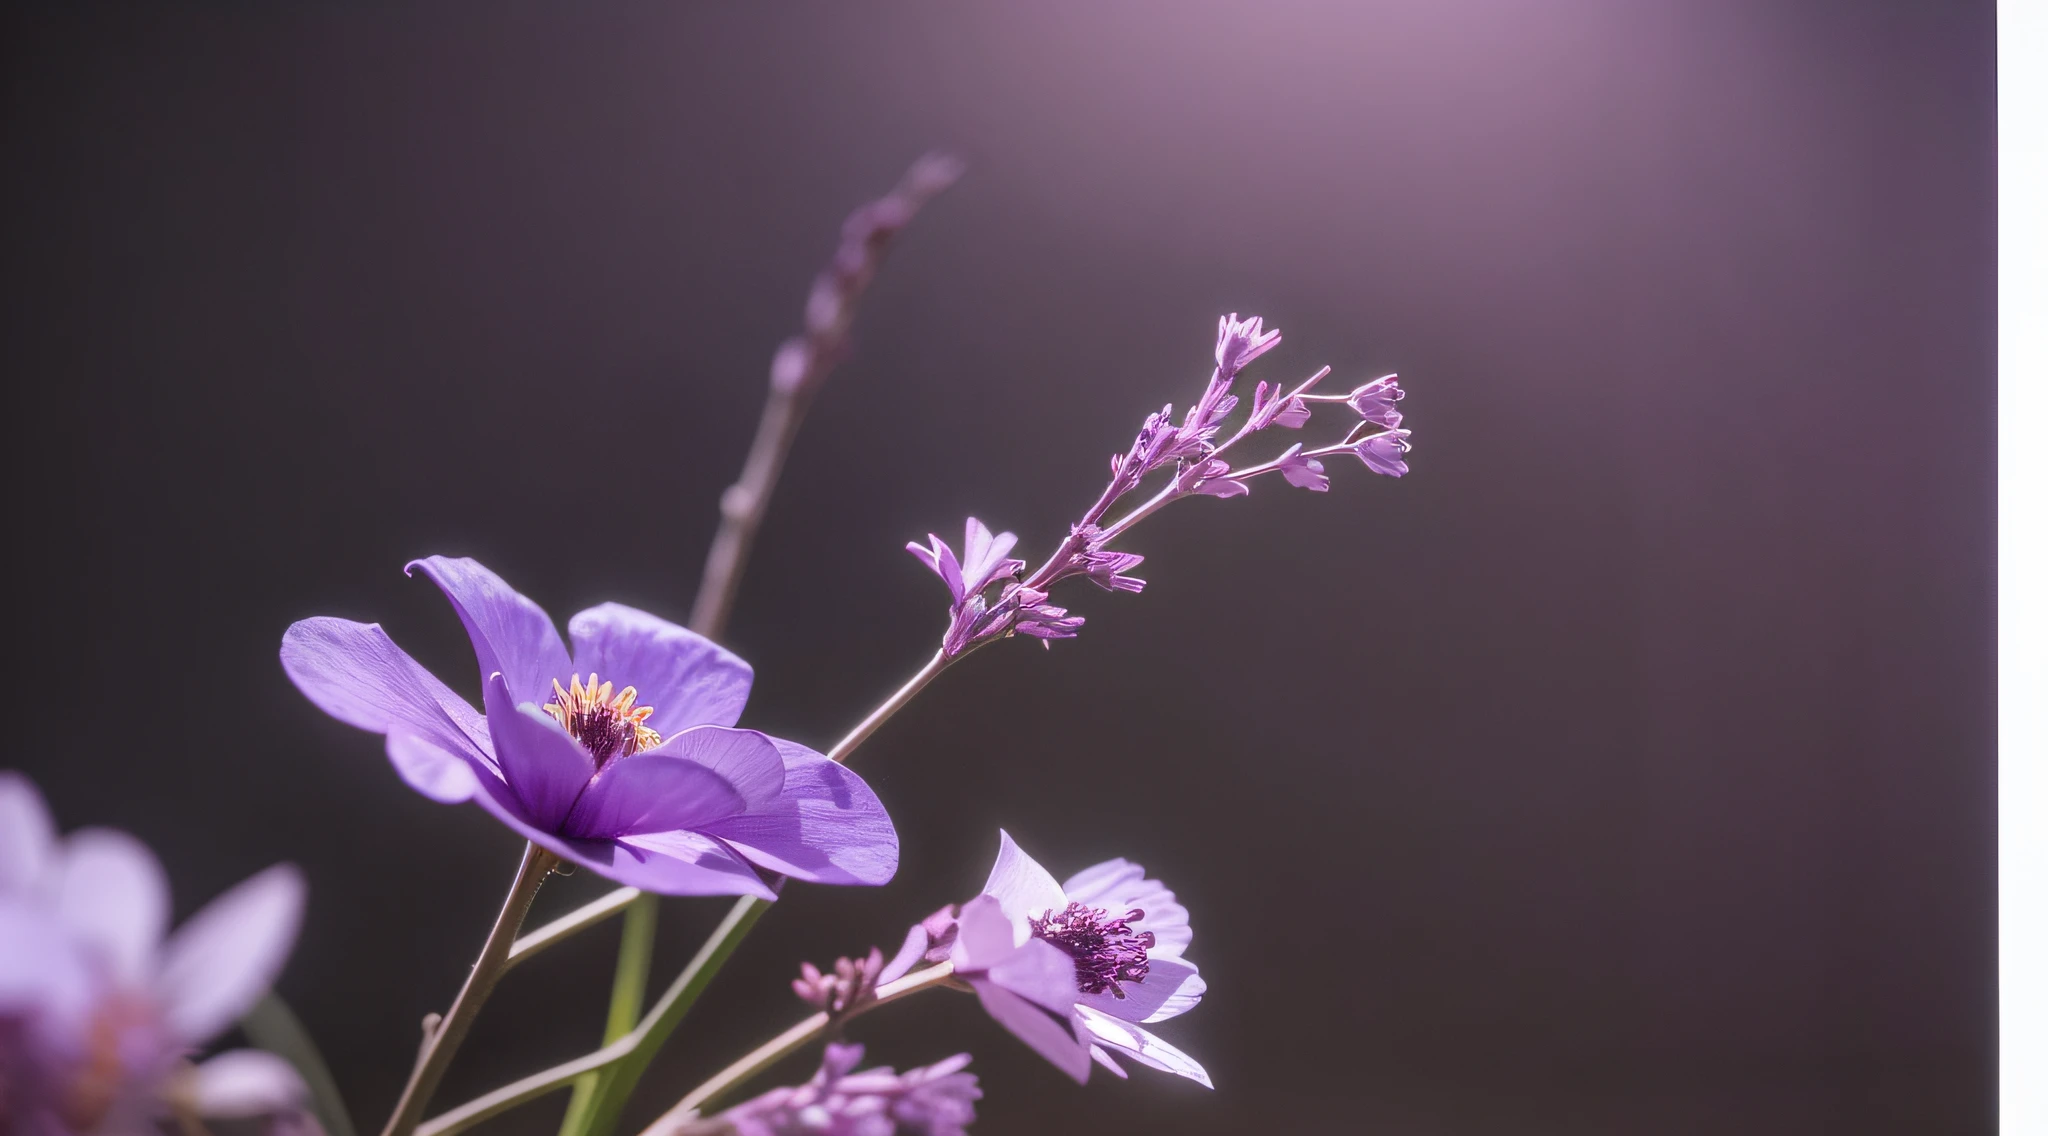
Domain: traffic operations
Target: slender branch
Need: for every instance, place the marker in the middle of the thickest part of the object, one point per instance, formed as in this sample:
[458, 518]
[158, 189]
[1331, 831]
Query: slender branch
[490, 966]
[887, 710]
[587, 916]
[637, 1047]
[788, 1042]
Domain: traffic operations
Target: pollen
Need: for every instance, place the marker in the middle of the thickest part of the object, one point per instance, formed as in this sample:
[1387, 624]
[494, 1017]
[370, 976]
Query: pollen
[607, 724]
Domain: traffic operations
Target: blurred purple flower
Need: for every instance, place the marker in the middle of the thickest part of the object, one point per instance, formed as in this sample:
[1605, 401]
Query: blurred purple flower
[99, 1012]
[937, 1100]
[1074, 969]
[646, 784]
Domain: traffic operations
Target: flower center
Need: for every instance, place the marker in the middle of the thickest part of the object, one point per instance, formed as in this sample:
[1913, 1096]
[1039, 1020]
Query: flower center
[608, 725]
[1106, 952]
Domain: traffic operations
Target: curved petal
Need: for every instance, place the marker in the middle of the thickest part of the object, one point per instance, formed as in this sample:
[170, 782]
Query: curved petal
[1025, 889]
[1143, 1046]
[433, 772]
[511, 634]
[650, 792]
[987, 935]
[1142, 999]
[112, 895]
[686, 863]
[357, 674]
[688, 679]
[1040, 972]
[1050, 1036]
[825, 826]
[1103, 1059]
[246, 1082]
[28, 837]
[225, 957]
[908, 955]
[42, 974]
[1095, 885]
[749, 760]
[1186, 998]
[545, 768]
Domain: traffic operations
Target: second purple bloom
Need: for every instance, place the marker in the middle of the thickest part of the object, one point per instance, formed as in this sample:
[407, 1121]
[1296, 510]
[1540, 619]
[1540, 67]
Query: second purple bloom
[621, 757]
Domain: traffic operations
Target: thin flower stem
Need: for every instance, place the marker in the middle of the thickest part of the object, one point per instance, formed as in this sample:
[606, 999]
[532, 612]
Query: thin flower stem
[887, 710]
[587, 916]
[1171, 493]
[788, 1042]
[629, 995]
[490, 966]
[744, 505]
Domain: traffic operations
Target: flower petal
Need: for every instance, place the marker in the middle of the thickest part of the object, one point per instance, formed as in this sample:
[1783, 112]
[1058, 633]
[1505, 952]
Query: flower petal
[749, 760]
[357, 674]
[688, 679]
[1143, 1046]
[824, 826]
[907, 955]
[28, 837]
[1041, 973]
[1025, 889]
[1142, 999]
[221, 960]
[1186, 998]
[1103, 1059]
[684, 863]
[1053, 1039]
[1096, 884]
[988, 935]
[433, 772]
[112, 895]
[1118, 886]
[511, 634]
[43, 975]
[650, 792]
[545, 768]
[246, 1083]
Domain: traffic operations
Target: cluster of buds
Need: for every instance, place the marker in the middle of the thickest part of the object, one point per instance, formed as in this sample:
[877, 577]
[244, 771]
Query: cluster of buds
[994, 598]
[847, 987]
[937, 1100]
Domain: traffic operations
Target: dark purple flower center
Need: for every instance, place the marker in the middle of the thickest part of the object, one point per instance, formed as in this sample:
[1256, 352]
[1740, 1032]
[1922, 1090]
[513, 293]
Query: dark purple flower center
[608, 725]
[1106, 952]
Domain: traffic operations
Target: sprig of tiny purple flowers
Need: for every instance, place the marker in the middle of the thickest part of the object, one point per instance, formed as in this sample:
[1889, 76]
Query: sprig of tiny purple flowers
[1021, 604]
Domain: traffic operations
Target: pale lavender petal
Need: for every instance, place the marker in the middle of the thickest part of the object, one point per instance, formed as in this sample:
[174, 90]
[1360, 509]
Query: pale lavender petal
[1118, 886]
[940, 559]
[28, 837]
[749, 760]
[1382, 453]
[511, 634]
[43, 972]
[357, 674]
[1143, 999]
[545, 768]
[1375, 401]
[432, 771]
[1041, 973]
[1103, 1059]
[112, 895]
[650, 792]
[1099, 884]
[826, 826]
[1053, 1039]
[1223, 487]
[1303, 472]
[221, 960]
[688, 679]
[987, 935]
[1143, 1046]
[1186, 998]
[246, 1083]
[1025, 889]
[907, 955]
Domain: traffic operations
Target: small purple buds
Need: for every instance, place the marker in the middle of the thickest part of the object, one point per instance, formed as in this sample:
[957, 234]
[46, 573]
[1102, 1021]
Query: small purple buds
[1302, 471]
[1382, 452]
[847, 987]
[937, 1100]
[1240, 342]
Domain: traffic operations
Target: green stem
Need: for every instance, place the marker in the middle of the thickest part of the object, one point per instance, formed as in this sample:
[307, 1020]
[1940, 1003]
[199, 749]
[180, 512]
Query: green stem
[629, 995]
[271, 1025]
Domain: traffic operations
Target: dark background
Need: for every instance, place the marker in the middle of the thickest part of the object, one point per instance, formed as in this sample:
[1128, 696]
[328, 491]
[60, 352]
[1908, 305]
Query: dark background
[1627, 768]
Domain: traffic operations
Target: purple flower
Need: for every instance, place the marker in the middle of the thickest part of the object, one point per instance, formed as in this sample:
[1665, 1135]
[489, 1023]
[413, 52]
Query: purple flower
[647, 783]
[937, 1100]
[1238, 342]
[1302, 471]
[1017, 609]
[1375, 401]
[1382, 452]
[986, 558]
[1074, 969]
[98, 1011]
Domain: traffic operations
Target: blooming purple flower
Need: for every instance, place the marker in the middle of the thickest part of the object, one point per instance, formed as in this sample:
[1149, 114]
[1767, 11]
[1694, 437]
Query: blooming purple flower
[1074, 969]
[937, 1100]
[1302, 471]
[648, 784]
[1382, 452]
[1375, 401]
[98, 1011]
